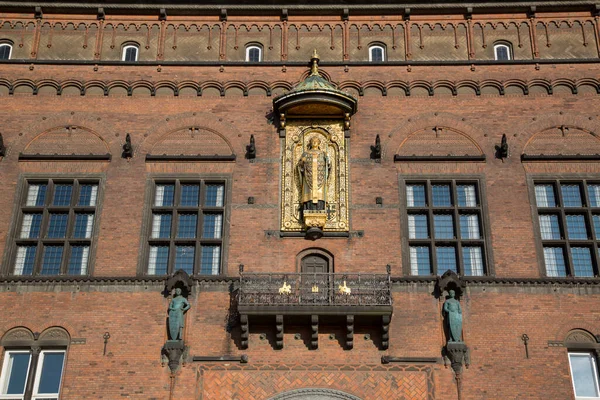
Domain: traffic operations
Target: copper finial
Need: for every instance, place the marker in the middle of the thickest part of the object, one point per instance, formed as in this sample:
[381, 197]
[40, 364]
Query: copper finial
[314, 70]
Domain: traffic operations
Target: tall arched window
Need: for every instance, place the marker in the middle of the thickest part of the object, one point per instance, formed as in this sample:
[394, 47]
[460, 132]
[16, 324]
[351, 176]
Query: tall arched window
[502, 51]
[253, 53]
[130, 52]
[5, 50]
[376, 53]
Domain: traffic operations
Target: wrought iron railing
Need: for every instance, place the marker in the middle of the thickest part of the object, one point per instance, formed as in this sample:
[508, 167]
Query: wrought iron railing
[314, 289]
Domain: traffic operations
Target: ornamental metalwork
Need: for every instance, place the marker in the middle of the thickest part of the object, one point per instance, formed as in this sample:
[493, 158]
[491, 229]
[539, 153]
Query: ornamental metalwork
[314, 289]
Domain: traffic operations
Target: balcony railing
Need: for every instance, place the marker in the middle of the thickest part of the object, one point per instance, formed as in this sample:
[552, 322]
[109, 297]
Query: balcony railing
[314, 289]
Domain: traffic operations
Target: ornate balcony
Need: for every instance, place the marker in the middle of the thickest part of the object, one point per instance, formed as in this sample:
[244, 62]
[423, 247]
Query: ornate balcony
[330, 296]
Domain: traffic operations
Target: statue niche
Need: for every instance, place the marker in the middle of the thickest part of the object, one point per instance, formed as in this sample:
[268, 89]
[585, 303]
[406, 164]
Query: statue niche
[314, 180]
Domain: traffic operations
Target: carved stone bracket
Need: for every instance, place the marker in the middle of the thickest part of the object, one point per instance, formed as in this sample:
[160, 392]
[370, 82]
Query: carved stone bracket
[457, 354]
[245, 332]
[174, 350]
[349, 332]
[314, 338]
[279, 331]
[385, 332]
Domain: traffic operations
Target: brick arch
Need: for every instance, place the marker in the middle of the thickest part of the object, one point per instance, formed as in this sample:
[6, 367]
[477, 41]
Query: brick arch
[315, 251]
[539, 135]
[103, 135]
[69, 139]
[418, 137]
[562, 331]
[174, 133]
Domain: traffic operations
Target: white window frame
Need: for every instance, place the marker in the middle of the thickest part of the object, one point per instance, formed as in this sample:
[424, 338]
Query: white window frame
[377, 46]
[254, 46]
[595, 372]
[38, 375]
[10, 46]
[130, 46]
[508, 50]
[6, 375]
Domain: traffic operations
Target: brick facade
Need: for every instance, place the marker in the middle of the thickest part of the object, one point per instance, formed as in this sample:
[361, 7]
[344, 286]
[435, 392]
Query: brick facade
[65, 93]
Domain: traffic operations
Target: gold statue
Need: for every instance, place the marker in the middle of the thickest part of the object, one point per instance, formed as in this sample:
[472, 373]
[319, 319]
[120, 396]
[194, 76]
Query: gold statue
[313, 167]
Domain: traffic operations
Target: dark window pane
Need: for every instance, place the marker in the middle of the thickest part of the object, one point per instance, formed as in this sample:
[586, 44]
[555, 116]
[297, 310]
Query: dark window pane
[571, 195]
[376, 54]
[88, 194]
[159, 260]
[549, 227]
[544, 196]
[161, 226]
[502, 53]
[25, 260]
[57, 228]
[36, 195]
[184, 258]
[78, 260]
[62, 195]
[441, 195]
[253, 54]
[18, 366]
[186, 225]
[214, 195]
[420, 263]
[51, 374]
[446, 259]
[5, 51]
[211, 259]
[212, 226]
[582, 261]
[596, 219]
[84, 223]
[164, 195]
[31, 226]
[417, 226]
[130, 54]
[576, 227]
[190, 195]
[52, 260]
[443, 226]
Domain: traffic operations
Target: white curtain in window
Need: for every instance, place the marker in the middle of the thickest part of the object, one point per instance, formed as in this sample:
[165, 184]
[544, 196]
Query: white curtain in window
[93, 195]
[472, 258]
[410, 195]
[542, 195]
[160, 195]
[469, 192]
[551, 259]
[156, 224]
[26, 227]
[412, 228]
[220, 191]
[85, 251]
[89, 225]
[21, 259]
[470, 226]
[594, 191]
[152, 260]
[218, 225]
[32, 195]
[546, 227]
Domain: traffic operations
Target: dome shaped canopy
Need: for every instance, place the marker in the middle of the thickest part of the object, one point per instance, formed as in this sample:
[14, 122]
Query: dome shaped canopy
[315, 96]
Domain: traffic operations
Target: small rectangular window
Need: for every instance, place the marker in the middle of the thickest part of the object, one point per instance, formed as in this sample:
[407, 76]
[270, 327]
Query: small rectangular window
[584, 375]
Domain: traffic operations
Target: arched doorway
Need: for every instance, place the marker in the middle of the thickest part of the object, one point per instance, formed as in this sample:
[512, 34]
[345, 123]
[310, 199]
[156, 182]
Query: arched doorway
[314, 261]
[314, 394]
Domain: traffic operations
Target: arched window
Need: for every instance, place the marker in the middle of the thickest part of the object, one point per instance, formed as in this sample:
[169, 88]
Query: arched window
[5, 51]
[314, 261]
[130, 53]
[502, 51]
[376, 53]
[253, 53]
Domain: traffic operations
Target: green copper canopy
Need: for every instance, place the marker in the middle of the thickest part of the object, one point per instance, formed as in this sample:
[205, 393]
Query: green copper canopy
[315, 96]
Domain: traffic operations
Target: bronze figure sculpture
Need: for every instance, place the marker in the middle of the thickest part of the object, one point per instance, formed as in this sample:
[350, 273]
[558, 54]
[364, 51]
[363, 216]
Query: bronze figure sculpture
[313, 167]
[453, 314]
[179, 305]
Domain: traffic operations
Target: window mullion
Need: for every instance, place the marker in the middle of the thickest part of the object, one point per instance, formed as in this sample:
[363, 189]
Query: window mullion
[33, 365]
[431, 227]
